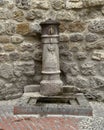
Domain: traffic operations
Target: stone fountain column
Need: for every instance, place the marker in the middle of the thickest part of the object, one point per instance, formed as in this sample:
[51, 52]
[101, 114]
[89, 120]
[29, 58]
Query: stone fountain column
[51, 83]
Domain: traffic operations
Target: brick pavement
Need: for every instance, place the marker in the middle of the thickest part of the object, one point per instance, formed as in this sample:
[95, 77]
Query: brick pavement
[8, 121]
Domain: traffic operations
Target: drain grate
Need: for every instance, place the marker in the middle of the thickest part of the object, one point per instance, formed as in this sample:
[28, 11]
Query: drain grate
[65, 105]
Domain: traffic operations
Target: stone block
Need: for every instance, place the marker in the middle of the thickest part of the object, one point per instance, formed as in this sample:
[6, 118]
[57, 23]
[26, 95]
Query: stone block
[34, 14]
[90, 37]
[2, 27]
[26, 56]
[10, 28]
[37, 55]
[81, 55]
[18, 15]
[6, 71]
[9, 47]
[4, 39]
[26, 47]
[64, 37]
[58, 5]
[98, 55]
[75, 4]
[88, 68]
[96, 26]
[17, 39]
[101, 68]
[70, 89]
[40, 4]
[23, 4]
[23, 28]
[66, 16]
[14, 56]
[24, 68]
[4, 57]
[31, 88]
[76, 37]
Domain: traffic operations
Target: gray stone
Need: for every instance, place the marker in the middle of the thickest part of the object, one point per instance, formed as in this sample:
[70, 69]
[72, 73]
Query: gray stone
[90, 37]
[18, 15]
[76, 4]
[82, 82]
[38, 55]
[35, 28]
[69, 79]
[26, 47]
[95, 45]
[6, 71]
[68, 67]
[17, 39]
[70, 89]
[97, 82]
[75, 37]
[24, 68]
[1, 2]
[96, 26]
[40, 4]
[102, 10]
[10, 28]
[34, 14]
[31, 88]
[23, 4]
[66, 16]
[66, 55]
[2, 28]
[98, 55]
[57, 5]
[88, 68]
[64, 37]
[14, 56]
[26, 56]
[2, 83]
[101, 68]
[4, 57]
[81, 55]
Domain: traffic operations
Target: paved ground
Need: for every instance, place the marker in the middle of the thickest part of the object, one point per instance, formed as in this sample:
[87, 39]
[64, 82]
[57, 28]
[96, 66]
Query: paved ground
[8, 121]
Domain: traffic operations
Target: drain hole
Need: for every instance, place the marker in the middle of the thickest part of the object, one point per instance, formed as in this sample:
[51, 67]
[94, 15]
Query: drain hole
[47, 100]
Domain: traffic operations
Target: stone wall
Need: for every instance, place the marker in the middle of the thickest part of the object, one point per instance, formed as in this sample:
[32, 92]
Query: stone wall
[81, 44]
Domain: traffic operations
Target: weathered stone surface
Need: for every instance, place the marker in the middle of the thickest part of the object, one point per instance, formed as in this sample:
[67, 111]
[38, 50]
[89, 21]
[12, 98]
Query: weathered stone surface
[76, 26]
[2, 27]
[26, 56]
[102, 10]
[88, 68]
[37, 55]
[95, 45]
[4, 39]
[2, 83]
[98, 55]
[57, 5]
[10, 28]
[18, 15]
[14, 56]
[76, 37]
[68, 67]
[89, 3]
[66, 55]
[23, 4]
[9, 47]
[23, 28]
[66, 16]
[96, 26]
[34, 14]
[26, 47]
[6, 71]
[17, 39]
[101, 68]
[4, 57]
[40, 4]
[1, 2]
[26, 68]
[64, 37]
[74, 4]
[97, 82]
[82, 82]
[90, 37]
[70, 79]
[81, 55]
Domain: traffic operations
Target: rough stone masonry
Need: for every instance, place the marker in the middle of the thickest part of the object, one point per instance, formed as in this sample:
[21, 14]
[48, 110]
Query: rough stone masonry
[81, 44]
